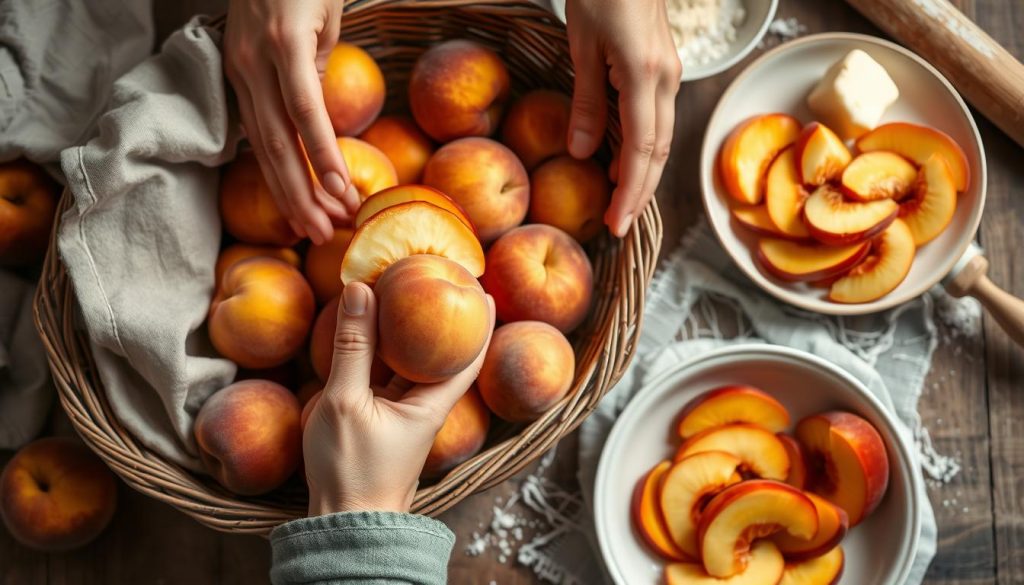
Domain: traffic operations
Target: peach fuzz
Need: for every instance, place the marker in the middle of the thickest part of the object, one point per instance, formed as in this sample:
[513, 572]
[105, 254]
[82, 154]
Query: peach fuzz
[571, 195]
[353, 88]
[247, 206]
[235, 253]
[56, 494]
[484, 178]
[368, 167]
[539, 273]
[28, 201]
[433, 318]
[536, 126]
[462, 435]
[529, 367]
[323, 265]
[261, 313]
[405, 145]
[249, 436]
[457, 89]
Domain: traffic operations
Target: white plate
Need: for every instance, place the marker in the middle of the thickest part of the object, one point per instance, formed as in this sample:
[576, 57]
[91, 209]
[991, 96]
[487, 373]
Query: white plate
[779, 81]
[879, 551]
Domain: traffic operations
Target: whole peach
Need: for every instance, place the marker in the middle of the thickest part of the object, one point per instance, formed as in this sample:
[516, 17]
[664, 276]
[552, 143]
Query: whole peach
[536, 126]
[323, 265]
[261, 314]
[571, 195]
[235, 253]
[368, 167]
[247, 207]
[353, 89]
[461, 436]
[529, 366]
[486, 179]
[539, 273]
[56, 494]
[432, 318]
[404, 143]
[28, 201]
[458, 88]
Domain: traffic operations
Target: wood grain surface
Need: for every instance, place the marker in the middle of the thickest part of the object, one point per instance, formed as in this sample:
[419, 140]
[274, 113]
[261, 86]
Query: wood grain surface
[973, 402]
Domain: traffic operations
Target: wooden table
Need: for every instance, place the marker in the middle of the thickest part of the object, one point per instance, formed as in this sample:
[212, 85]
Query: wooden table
[973, 394]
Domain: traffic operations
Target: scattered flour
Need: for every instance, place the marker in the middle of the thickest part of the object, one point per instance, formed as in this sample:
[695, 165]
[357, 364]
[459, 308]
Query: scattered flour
[704, 29]
[782, 30]
[962, 316]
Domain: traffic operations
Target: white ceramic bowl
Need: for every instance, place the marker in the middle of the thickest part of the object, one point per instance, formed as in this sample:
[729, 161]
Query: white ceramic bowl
[878, 551]
[779, 81]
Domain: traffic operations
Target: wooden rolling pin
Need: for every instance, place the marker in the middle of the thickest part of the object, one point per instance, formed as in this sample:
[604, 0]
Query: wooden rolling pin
[985, 73]
[969, 277]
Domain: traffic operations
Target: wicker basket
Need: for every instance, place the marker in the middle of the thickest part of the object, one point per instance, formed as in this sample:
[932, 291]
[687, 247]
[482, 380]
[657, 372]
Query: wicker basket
[533, 44]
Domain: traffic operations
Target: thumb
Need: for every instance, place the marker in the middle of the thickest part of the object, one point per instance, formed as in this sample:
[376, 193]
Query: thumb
[589, 105]
[355, 340]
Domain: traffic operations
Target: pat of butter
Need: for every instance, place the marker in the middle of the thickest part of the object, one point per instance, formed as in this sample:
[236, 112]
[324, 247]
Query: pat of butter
[853, 95]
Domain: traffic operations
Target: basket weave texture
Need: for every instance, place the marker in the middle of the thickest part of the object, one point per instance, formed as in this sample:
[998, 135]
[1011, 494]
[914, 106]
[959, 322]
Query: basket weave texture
[533, 44]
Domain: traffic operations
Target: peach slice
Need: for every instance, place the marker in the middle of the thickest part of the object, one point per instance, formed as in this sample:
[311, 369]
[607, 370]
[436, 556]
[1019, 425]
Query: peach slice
[748, 151]
[797, 461]
[832, 526]
[823, 570]
[764, 567]
[406, 229]
[820, 155]
[877, 175]
[784, 195]
[930, 207]
[755, 218]
[745, 512]
[882, 270]
[732, 404]
[404, 194]
[647, 514]
[848, 461]
[794, 261]
[919, 143]
[834, 221]
[761, 452]
[688, 486]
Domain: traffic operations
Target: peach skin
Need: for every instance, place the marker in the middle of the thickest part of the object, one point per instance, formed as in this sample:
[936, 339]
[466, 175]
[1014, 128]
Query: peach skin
[235, 253]
[353, 89]
[323, 265]
[404, 143]
[247, 206]
[536, 126]
[370, 169]
[571, 195]
[461, 436]
[28, 201]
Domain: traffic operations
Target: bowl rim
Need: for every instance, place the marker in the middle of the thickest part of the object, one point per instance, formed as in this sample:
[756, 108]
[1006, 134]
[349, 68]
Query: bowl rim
[729, 62]
[709, 154]
[745, 351]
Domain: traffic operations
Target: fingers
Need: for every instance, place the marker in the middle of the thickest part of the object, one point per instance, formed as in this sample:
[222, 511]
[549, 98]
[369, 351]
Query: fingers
[639, 137]
[665, 114]
[355, 340]
[589, 106]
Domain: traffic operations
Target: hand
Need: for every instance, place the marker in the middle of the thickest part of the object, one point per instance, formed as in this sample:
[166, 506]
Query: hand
[364, 447]
[274, 54]
[626, 42]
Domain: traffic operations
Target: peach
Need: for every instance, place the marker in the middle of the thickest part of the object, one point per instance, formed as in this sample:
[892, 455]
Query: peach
[486, 179]
[822, 570]
[537, 125]
[539, 273]
[235, 253]
[249, 436]
[878, 175]
[261, 313]
[353, 89]
[461, 436]
[247, 206]
[750, 149]
[835, 221]
[932, 203]
[784, 196]
[28, 201]
[882, 270]
[646, 513]
[323, 264]
[405, 145]
[433, 318]
[764, 565]
[832, 526]
[732, 404]
[457, 89]
[56, 494]
[571, 195]
[529, 367]
[795, 261]
[306, 392]
[820, 155]
[797, 461]
[688, 486]
[756, 219]
[761, 452]
[368, 167]
[321, 340]
[919, 143]
[406, 194]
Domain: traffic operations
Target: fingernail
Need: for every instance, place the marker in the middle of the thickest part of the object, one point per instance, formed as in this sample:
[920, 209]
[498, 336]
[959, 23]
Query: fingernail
[579, 142]
[354, 299]
[334, 184]
[624, 224]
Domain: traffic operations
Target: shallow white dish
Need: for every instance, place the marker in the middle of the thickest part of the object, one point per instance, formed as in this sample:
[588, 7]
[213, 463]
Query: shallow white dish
[779, 81]
[879, 551]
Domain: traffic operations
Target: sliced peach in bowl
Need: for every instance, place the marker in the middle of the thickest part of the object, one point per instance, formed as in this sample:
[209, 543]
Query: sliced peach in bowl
[919, 143]
[755, 218]
[761, 452]
[688, 486]
[931, 205]
[877, 175]
[404, 194]
[835, 221]
[796, 261]
[820, 155]
[732, 404]
[822, 570]
[750, 149]
[784, 196]
[832, 526]
[764, 567]
[885, 267]
[797, 461]
[745, 512]
[647, 516]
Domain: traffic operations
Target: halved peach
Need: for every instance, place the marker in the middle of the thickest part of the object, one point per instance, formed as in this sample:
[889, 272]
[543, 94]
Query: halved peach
[755, 218]
[835, 221]
[822, 570]
[832, 526]
[885, 267]
[732, 404]
[764, 567]
[688, 486]
[748, 151]
[746, 511]
[848, 461]
[784, 195]
[919, 143]
[406, 229]
[647, 515]
[795, 261]
[404, 194]
[797, 461]
[877, 175]
[931, 206]
[761, 452]
[820, 155]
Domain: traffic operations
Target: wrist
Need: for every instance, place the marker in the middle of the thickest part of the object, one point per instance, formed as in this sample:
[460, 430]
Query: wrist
[320, 505]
